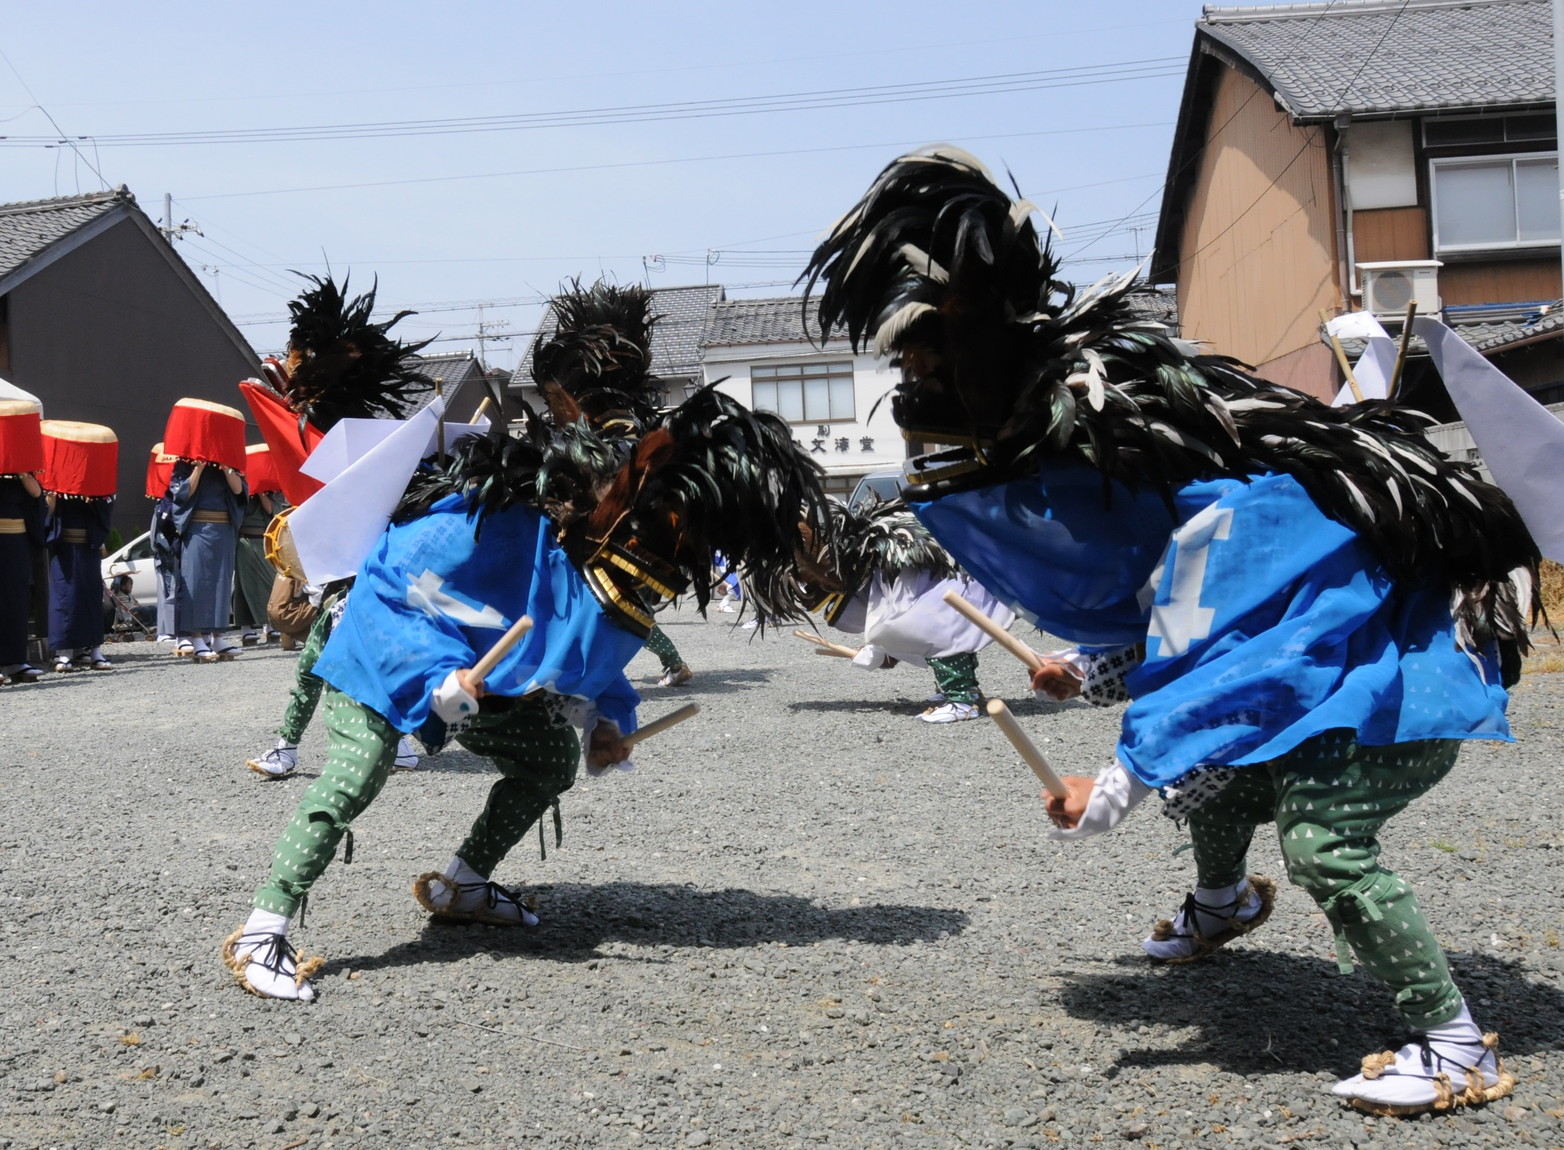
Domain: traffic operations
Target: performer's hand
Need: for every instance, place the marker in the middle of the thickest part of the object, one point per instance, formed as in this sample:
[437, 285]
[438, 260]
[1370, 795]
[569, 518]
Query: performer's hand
[606, 746]
[471, 683]
[1056, 679]
[1067, 812]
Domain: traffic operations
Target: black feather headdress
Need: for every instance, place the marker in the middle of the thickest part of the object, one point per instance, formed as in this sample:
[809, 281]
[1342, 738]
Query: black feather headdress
[885, 540]
[712, 476]
[600, 358]
[341, 364]
[939, 267]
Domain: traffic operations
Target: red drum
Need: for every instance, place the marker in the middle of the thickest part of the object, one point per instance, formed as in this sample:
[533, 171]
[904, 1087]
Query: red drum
[21, 439]
[160, 470]
[205, 432]
[260, 469]
[80, 459]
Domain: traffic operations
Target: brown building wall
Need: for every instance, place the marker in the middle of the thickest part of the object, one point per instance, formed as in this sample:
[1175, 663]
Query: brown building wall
[111, 334]
[1390, 234]
[1258, 248]
[1509, 282]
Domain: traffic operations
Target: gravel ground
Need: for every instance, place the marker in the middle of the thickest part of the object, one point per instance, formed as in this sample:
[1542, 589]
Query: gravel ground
[807, 920]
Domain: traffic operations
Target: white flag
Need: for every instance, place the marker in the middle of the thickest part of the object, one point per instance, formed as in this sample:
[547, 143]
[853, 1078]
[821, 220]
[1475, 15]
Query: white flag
[1375, 365]
[1519, 439]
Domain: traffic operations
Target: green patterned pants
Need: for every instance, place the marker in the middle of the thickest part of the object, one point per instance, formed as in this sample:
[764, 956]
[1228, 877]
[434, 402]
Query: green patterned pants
[660, 645]
[956, 677]
[1329, 798]
[536, 759]
[305, 695]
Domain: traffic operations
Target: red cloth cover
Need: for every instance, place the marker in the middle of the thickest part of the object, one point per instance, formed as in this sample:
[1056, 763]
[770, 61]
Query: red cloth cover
[202, 431]
[79, 459]
[260, 470]
[291, 442]
[160, 471]
[21, 441]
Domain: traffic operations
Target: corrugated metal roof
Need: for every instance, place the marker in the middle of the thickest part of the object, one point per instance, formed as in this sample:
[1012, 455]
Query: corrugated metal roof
[1367, 57]
[27, 229]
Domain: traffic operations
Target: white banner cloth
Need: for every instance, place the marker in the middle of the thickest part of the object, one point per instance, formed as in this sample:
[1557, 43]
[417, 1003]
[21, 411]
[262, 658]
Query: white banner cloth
[1375, 365]
[335, 529]
[1520, 440]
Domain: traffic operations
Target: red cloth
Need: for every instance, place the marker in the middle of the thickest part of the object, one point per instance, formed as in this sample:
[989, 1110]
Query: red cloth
[21, 440]
[290, 439]
[260, 471]
[203, 431]
[160, 470]
[79, 459]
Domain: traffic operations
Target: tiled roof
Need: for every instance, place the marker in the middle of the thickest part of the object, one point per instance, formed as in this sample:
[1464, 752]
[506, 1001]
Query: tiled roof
[27, 229]
[676, 338]
[779, 319]
[1367, 57]
[454, 369]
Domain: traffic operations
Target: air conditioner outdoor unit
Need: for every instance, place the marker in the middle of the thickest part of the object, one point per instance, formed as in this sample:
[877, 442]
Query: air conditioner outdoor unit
[1390, 285]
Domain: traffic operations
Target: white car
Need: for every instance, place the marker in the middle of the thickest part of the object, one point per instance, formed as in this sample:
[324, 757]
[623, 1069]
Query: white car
[135, 561]
[876, 487]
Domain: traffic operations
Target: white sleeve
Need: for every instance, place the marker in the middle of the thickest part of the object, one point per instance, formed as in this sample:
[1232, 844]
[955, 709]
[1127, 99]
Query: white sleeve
[1116, 793]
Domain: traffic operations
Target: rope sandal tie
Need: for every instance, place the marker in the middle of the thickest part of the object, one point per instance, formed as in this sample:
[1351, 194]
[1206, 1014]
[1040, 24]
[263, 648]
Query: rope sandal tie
[1226, 914]
[1436, 1071]
[272, 953]
[492, 908]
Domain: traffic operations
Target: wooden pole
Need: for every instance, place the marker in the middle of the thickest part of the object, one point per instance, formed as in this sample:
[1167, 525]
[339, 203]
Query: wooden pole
[825, 646]
[439, 393]
[483, 666]
[1004, 638]
[657, 726]
[1341, 357]
[1401, 354]
[488, 402]
[1027, 749]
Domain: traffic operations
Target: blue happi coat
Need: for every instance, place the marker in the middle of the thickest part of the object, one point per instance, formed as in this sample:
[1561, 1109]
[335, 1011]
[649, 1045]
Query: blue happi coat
[1265, 621]
[431, 599]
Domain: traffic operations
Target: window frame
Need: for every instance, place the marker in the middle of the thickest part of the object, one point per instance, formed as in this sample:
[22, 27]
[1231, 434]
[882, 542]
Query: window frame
[1493, 159]
[796, 373]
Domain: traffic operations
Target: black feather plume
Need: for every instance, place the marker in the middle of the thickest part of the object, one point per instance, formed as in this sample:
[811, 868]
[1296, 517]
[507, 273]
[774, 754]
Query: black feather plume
[937, 266]
[601, 355]
[341, 364]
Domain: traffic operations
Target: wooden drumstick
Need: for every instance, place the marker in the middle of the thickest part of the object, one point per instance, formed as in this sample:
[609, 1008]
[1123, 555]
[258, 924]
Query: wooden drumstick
[1027, 749]
[825, 646]
[656, 726]
[483, 666]
[1004, 638]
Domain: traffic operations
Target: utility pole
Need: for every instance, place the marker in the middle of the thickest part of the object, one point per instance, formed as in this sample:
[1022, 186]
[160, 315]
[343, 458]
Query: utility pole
[483, 333]
[170, 232]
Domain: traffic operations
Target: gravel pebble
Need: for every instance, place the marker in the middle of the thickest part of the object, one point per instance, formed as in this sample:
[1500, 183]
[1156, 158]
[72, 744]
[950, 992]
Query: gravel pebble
[806, 920]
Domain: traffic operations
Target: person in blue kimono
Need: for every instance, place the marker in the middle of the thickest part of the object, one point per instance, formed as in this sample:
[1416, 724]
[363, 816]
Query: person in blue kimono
[76, 531]
[207, 506]
[1318, 607]
[469, 553]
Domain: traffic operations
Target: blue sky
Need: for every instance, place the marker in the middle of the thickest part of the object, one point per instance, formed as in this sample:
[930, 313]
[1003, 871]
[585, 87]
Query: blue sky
[737, 132]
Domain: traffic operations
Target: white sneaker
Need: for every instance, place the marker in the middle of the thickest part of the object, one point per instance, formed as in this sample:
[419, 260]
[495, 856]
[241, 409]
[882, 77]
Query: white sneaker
[277, 763]
[483, 901]
[267, 966]
[406, 756]
[1428, 1076]
[950, 713]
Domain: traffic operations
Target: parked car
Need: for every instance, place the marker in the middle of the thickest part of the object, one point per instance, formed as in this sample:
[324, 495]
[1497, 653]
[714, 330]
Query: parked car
[876, 487]
[135, 560]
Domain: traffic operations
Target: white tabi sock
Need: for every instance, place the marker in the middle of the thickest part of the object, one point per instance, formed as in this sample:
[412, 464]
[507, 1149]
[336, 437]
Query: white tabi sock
[284, 745]
[265, 922]
[199, 642]
[457, 870]
[1455, 1039]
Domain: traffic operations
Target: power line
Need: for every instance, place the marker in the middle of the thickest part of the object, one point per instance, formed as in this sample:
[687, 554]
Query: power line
[996, 84]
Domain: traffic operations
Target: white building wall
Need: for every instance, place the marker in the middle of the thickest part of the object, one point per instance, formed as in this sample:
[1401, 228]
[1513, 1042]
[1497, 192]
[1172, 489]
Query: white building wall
[847, 449]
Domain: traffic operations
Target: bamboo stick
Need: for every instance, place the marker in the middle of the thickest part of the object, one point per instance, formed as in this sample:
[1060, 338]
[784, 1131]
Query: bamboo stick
[1341, 357]
[1401, 353]
[483, 666]
[825, 646]
[1004, 638]
[1026, 748]
[656, 726]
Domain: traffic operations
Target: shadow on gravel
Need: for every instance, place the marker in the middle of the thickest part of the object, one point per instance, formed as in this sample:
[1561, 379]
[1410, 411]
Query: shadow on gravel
[578, 918]
[1260, 1012]
[724, 681]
